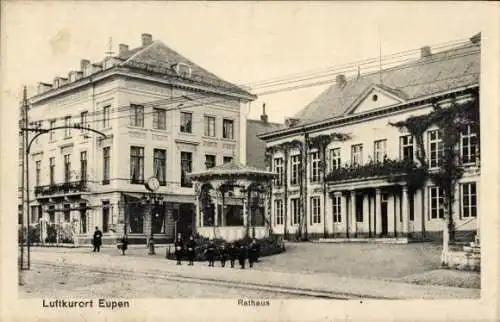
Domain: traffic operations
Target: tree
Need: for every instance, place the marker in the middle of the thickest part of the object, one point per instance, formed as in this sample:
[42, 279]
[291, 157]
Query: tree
[451, 122]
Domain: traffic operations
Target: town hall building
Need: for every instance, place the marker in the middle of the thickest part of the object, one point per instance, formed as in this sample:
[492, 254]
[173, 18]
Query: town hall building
[347, 170]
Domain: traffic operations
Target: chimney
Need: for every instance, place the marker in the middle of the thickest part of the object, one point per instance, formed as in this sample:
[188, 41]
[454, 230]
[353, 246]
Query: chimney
[425, 52]
[340, 80]
[83, 64]
[263, 117]
[147, 39]
[476, 39]
[122, 49]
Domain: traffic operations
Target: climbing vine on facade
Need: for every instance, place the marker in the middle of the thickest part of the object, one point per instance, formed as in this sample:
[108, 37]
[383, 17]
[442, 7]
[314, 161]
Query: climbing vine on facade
[451, 121]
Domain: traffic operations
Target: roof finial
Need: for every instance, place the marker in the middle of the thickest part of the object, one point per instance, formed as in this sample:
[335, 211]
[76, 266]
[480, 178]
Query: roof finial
[110, 52]
[380, 55]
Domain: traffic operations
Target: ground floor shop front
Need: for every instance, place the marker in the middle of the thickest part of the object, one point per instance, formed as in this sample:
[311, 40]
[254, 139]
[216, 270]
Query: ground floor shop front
[65, 218]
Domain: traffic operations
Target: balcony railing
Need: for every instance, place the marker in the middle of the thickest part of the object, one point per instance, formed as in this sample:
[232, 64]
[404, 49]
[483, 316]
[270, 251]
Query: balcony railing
[387, 168]
[61, 188]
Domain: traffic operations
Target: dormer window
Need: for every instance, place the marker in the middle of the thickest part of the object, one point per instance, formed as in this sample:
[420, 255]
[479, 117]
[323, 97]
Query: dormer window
[183, 70]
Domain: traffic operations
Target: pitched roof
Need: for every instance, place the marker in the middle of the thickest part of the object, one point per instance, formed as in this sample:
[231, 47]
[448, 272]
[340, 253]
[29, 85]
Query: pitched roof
[256, 148]
[439, 72]
[231, 168]
[161, 56]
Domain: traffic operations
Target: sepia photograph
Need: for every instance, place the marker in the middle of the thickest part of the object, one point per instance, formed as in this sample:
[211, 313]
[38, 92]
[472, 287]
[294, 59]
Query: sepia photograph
[251, 152]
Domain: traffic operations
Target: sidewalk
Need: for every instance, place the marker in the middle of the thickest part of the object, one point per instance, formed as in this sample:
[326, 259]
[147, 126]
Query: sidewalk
[355, 287]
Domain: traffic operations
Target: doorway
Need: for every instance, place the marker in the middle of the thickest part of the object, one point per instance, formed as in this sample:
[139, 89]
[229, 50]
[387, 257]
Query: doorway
[185, 219]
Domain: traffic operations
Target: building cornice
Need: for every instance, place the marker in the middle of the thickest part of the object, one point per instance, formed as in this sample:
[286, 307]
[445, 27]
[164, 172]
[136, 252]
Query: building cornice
[356, 118]
[129, 73]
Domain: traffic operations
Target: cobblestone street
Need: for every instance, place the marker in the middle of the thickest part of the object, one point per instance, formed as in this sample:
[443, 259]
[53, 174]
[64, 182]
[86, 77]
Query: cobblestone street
[337, 271]
[44, 281]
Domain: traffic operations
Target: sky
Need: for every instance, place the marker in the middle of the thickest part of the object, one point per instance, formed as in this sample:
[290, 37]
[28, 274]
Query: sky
[242, 42]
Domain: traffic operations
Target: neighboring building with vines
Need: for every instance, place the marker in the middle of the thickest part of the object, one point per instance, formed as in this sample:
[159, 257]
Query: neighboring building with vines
[385, 154]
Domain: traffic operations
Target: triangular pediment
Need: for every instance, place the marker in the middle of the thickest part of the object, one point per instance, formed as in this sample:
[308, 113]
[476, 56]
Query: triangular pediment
[374, 97]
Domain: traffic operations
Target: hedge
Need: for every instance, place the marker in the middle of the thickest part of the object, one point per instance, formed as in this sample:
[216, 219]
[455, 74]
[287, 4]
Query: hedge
[267, 246]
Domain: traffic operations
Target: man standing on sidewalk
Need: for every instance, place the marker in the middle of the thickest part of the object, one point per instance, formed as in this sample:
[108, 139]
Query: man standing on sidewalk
[253, 251]
[210, 252]
[191, 250]
[242, 255]
[97, 240]
[233, 253]
[178, 249]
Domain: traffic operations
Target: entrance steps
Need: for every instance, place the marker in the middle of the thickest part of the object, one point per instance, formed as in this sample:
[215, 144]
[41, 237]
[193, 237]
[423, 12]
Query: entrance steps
[395, 240]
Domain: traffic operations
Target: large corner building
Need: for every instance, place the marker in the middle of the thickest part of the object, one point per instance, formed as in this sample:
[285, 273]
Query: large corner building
[163, 116]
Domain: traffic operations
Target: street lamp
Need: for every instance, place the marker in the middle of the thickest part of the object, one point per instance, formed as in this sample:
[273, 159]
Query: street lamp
[152, 185]
[27, 153]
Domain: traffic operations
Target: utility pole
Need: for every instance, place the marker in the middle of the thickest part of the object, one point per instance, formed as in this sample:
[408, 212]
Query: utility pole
[22, 147]
[26, 167]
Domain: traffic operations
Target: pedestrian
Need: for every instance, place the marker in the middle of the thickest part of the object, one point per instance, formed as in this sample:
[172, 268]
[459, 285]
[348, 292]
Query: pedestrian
[124, 244]
[242, 255]
[233, 253]
[191, 245]
[253, 252]
[178, 249]
[210, 252]
[97, 240]
[223, 255]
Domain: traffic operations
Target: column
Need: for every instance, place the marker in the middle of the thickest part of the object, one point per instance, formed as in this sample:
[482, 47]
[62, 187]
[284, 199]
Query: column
[371, 220]
[328, 215]
[405, 209]
[216, 209]
[366, 212]
[378, 212]
[343, 212]
[353, 214]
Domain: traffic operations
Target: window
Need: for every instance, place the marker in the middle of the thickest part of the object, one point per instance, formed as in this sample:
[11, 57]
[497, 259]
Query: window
[106, 164]
[52, 214]
[315, 210]
[278, 169]
[209, 161]
[295, 160]
[105, 117]
[67, 168]
[209, 126]
[335, 158]
[160, 164]
[227, 129]
[159, 119]
[227, 160]
[67, 131]
[436, 203]
[468, 146]
[337, 208]
[315, 166]
[84, 121]
[136, 164]
[52, 167]
[67, 212]
[186, 122]
[406, 147]
[295, 209]
[379, 150]
[38, 165]
[278, 212]
[435, 148]
[136, 115]
[51, 133]
[357, 154]
[105, 216]
[186, 167]
[183, 70]
[83, 166]
[469, 200]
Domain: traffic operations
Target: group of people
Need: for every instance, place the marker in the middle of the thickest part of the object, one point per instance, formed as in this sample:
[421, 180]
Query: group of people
[226, 252]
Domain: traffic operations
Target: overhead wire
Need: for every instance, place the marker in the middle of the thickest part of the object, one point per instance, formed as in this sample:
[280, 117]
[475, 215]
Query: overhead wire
[183, 98]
